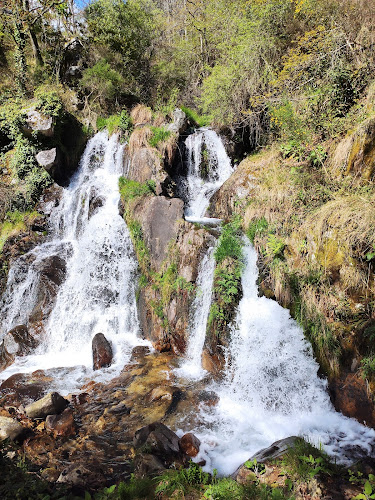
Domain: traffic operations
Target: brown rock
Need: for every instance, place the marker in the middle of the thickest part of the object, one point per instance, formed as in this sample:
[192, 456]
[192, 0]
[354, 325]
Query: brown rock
[189, 444]
[51, 404]
[213, 363]
[9, 428]
[349, 395]
[101, 352]
[157, 439]
[146, 465]
[61, 425]
[82, 475]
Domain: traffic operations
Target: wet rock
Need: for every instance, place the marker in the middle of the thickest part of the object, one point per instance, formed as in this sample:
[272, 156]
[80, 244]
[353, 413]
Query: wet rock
[6, 359]
[39, 224]
[9, 428]
[190, 444]
[146, 465]
[61, 425]
[36, 122]
[349, 396]
[21, 388]
[157, 439]
[81, 476]
[19, 341]
[96, 201]
[101, 352]
[48, 159]
[276, 450]
[50, 199]
[209, 398]
[51, 404]
[52, 273]
[214, 363]
[158, 393]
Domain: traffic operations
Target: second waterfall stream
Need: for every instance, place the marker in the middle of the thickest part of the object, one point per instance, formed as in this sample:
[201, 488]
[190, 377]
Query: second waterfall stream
[271, 388]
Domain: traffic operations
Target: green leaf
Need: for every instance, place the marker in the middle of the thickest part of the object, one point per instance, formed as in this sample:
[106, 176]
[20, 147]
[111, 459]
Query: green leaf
[368, 488]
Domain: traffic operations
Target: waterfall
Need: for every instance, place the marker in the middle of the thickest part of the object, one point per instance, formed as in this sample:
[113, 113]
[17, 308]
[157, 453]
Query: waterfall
[271, 388]
[192, 365]
[98, 294]
[208, 167]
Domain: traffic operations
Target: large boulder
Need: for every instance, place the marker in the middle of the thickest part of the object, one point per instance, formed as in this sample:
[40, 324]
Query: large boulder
[101, 352]
[48, 159]
[159, 218]
[37, 122]
[9, 428]
[51, 404]
[143, 165]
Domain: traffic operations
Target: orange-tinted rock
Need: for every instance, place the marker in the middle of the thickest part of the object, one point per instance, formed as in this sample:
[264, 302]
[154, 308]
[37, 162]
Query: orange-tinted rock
[61, 425]
[190, 444]
[349, 396]
[213, 363]
[101, 352]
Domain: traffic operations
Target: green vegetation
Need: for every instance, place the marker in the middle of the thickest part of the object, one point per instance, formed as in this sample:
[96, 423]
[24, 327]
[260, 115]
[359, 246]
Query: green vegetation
[159, 135]
[196, 118]
[304, 461]
[13, 224]
[132, 189]
[227, 278]
[116, 123]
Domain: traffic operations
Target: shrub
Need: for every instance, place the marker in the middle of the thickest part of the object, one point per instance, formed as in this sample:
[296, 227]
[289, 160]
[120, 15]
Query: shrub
[131, 189]
[230, 242]
[23, 159]
[48, 101]
[195, 118]
[159, 135]
[256, 227]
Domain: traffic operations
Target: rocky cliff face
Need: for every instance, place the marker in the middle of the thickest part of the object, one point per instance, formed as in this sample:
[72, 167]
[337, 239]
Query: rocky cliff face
[168, 248]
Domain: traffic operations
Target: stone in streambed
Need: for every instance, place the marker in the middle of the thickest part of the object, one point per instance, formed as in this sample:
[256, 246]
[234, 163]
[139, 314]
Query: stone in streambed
[157, 439]
[146, 465]
[82, 475]
[51, 404]
[9, 428]
[101, 352]
[61, 425]
[190, 444]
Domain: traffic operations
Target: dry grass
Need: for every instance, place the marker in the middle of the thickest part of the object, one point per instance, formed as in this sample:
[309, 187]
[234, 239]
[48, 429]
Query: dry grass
[141, 115]
[139, 139]
[351, 218]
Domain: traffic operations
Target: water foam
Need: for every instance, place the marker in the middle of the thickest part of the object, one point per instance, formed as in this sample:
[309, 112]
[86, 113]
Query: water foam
[271, 389]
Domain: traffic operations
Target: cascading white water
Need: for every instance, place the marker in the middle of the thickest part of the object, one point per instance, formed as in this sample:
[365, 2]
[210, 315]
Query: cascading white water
[204, 147]
[192, 365]
[198, 191]
[98, 294]
[271, 388]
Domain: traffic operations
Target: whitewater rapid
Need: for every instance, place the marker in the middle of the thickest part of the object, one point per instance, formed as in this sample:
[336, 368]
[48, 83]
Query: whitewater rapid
[98, 294]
